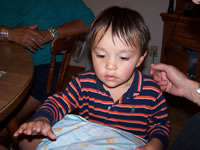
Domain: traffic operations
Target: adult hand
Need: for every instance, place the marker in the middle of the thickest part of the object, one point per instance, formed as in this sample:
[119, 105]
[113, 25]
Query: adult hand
[27, 36]
[196, 1]
[169, 78]
[47, 36]
[39, 126]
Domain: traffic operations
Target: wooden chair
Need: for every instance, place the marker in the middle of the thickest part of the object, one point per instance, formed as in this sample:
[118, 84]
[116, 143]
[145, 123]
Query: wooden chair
[65, 47]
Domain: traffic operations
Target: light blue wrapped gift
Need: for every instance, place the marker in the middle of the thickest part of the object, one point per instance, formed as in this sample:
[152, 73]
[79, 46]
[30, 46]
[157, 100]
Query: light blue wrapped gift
[76, 133]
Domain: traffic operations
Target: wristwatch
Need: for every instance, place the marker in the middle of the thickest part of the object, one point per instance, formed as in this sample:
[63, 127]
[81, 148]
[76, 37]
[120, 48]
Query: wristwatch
[198, 89]
[54, 32]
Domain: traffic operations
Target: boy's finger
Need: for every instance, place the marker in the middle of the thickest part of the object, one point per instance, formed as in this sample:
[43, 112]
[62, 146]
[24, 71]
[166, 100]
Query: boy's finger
[29, 129]
[20, 130]
[51, 135]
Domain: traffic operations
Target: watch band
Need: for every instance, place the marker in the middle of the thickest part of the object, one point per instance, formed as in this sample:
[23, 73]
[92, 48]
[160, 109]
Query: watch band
[4, 33]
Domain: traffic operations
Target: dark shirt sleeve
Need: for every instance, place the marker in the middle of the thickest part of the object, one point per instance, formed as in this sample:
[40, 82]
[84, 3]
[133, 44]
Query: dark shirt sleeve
[158, 121]
[55, 107]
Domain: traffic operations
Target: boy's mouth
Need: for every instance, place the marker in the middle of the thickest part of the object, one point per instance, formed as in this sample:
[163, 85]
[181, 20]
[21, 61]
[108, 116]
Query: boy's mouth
[110, 77]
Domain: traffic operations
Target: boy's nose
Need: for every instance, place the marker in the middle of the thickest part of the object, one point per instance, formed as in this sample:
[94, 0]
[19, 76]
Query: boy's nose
[111, 65]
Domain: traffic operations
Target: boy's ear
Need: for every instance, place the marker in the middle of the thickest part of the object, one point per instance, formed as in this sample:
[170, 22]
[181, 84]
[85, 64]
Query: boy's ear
[141, 59]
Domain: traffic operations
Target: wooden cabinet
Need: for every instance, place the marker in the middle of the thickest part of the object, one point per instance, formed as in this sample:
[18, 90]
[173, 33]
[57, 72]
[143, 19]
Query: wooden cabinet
[180, 33]
[180, 6]
[187, 8]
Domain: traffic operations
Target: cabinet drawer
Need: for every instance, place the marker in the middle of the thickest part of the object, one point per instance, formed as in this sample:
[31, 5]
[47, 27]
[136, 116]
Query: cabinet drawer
[187, 36]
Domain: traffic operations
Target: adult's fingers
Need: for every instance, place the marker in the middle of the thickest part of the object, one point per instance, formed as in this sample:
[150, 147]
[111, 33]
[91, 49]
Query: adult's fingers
[28, 36]
[37, 38]
[160, 67]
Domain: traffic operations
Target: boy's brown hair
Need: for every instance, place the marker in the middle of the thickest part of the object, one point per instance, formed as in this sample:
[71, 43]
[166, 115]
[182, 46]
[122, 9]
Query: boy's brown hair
[126, 24]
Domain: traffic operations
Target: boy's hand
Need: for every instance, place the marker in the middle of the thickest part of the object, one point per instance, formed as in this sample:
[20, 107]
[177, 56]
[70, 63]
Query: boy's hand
[154, 144]
[39, 126]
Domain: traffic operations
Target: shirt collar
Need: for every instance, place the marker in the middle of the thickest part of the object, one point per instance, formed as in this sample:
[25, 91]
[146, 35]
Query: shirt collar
[135, 88]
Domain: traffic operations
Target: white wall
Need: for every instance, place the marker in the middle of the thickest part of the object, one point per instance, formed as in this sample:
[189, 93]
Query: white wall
[149, 9]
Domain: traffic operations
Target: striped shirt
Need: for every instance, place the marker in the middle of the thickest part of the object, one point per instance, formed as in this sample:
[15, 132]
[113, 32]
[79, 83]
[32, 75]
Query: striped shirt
[142, 110]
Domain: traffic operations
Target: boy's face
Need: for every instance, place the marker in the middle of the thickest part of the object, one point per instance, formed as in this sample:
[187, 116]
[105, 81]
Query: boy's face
[114, 64]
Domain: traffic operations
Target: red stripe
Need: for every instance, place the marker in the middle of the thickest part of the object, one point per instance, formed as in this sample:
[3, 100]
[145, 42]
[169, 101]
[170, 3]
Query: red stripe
[151, 88]
[161, 102]
[74, 98]
[88, 73]
[149, 79]
[139, 81]
[97, 100]
[88, 80]
[94, 91]
[146, 97]
[61, 97]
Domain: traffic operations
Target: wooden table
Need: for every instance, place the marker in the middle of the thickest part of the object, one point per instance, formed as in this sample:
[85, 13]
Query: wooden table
[17, 64]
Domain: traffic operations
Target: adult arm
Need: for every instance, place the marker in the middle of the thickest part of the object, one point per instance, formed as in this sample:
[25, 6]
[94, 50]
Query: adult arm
[173, 81]
[74, 27]
[27, 36]
[32, 38]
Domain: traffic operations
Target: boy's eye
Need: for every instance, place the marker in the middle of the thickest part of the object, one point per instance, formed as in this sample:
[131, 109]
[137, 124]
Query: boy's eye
[100, 56]
[124, 58]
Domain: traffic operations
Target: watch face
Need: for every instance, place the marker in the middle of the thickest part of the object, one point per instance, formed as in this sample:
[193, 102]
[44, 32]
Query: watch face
[198, 90]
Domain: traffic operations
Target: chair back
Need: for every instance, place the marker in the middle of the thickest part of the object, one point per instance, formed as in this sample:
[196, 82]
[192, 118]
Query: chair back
[61, 46]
